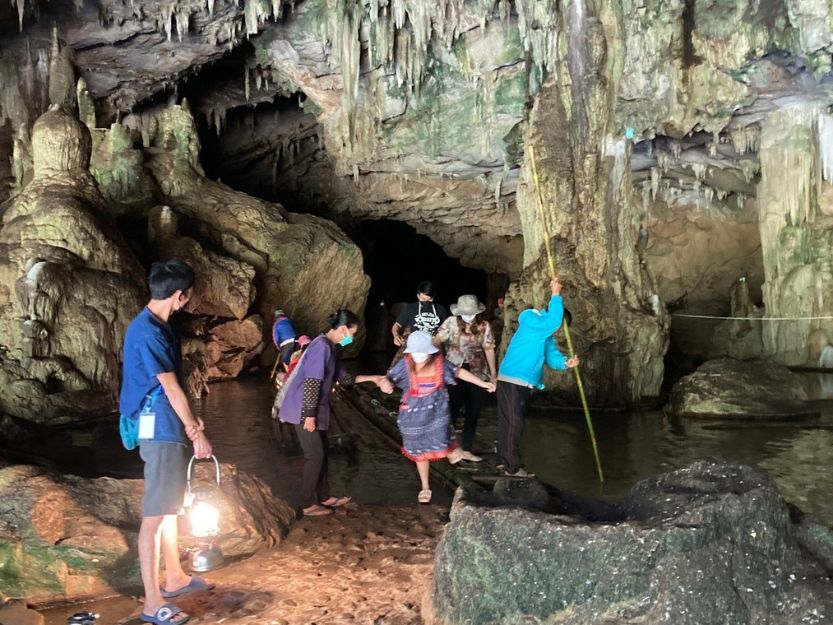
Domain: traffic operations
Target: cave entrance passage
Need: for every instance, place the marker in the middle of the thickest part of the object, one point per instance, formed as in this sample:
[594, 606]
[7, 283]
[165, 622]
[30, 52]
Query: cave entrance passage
[397, 258]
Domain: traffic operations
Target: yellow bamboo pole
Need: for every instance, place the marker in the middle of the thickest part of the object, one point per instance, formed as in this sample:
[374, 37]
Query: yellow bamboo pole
[275, 367]
[571, 351]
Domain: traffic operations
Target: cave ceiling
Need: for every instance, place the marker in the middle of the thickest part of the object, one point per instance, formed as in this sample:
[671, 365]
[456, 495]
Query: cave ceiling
[415, 111]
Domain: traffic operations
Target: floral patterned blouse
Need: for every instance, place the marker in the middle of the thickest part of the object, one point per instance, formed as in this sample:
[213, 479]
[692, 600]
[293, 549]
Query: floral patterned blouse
[467, 349]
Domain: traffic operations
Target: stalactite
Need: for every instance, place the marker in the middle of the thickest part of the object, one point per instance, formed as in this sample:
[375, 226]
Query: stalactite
[745, 139]
[663, 160]
[182, 23]
[825, 141]
[250, 16]
[21, 11]
[648, 194]
[655, 176]
[699, 170]
[246, 82]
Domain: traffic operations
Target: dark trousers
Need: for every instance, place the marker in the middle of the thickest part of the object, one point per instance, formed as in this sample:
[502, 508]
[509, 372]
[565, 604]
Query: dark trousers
[315, 486]
[469, 398]
[511, 406]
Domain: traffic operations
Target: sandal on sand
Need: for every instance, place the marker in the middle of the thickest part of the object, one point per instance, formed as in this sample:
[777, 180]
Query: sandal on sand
[335, 502]
[317, 510]
[424, 496]
[165, 616]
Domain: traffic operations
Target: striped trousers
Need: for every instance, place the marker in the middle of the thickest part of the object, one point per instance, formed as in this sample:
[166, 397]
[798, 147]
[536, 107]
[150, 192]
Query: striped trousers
[511, 406]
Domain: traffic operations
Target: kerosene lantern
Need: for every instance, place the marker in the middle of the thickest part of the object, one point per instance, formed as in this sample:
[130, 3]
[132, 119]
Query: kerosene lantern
[204, 518]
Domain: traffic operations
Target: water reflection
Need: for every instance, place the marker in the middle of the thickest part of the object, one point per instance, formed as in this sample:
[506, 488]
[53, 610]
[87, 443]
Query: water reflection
[237, 418]
[636, 446]
[555, 446]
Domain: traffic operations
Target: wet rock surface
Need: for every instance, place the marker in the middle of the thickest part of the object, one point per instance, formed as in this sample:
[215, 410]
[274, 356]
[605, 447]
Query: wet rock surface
[746, 389]
[703, 545]
[65, 538]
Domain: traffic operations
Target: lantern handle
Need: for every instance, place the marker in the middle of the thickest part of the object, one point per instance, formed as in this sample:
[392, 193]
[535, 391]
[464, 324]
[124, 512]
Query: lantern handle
[216, 469]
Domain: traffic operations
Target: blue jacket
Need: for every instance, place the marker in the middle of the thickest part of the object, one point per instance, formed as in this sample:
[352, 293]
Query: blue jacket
[282, 331]
[533, 345]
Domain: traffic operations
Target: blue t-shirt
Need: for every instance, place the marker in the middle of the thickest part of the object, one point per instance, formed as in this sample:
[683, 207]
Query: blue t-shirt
[150, 348]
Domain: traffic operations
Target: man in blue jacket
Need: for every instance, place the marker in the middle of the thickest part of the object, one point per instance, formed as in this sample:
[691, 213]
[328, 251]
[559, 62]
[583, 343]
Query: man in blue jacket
[283, 336]
[522, 370]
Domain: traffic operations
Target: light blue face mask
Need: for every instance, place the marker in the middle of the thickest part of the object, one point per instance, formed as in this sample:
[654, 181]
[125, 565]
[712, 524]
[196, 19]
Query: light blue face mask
[346, 340]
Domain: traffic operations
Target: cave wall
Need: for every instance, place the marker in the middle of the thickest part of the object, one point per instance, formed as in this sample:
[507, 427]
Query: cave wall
[653, 119]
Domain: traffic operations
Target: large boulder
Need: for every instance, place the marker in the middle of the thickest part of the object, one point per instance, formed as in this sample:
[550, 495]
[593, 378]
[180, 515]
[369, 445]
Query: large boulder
[66, 538]
[733, 388]
[706, 545]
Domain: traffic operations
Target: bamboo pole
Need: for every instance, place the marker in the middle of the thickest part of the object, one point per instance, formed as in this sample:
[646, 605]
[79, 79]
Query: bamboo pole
[275, 367]
[571, 351]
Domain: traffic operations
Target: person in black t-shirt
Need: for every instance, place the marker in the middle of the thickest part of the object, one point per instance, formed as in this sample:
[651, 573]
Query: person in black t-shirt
[422, 314]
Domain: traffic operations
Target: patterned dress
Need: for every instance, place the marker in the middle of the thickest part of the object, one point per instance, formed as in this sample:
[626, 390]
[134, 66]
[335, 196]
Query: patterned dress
[424, 416]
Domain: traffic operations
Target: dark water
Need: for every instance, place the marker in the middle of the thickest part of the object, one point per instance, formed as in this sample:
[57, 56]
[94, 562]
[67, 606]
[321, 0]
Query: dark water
[556, 447]
[238, 424]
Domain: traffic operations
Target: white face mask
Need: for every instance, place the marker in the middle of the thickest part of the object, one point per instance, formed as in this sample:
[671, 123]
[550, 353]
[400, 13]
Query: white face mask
[468, 318]
[419, 357]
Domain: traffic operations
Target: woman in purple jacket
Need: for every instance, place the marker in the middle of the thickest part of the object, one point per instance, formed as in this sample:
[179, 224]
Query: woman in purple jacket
[305, 402]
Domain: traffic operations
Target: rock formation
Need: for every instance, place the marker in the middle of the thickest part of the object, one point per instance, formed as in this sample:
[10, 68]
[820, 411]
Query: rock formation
[702, 545]
[666, 132]
[728, 388]
[65, 538]
[70, 285]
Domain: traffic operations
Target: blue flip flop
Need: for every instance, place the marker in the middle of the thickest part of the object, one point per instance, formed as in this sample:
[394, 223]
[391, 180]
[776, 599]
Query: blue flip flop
[165, 614]
[196, 583]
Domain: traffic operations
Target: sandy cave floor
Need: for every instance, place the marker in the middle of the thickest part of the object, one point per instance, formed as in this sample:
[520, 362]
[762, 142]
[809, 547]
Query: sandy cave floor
[364, 564]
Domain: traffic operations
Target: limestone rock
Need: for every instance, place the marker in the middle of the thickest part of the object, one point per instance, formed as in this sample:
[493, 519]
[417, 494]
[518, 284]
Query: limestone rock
[746, 389]
[65, 538]
[304, 264]
[705, 545]
[69, 284]
[221, 350]
[224, 286]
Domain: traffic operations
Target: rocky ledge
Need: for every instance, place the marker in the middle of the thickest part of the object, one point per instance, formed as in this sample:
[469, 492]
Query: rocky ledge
[747, 389]
[66, 539]
[703, 545]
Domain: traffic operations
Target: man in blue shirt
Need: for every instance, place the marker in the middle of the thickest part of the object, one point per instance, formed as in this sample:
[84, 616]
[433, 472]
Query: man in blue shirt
[152, 392]
[283, 336]
[522, 370]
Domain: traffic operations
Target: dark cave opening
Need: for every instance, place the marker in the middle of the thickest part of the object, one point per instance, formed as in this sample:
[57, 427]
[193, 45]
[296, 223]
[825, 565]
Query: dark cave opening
[397, 258]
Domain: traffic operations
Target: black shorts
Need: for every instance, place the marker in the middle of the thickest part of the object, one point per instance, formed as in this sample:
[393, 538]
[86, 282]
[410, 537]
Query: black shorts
[165, 468]
[286, 352]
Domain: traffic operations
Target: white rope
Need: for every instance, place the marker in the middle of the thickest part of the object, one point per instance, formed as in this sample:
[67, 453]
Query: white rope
[753, 318]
